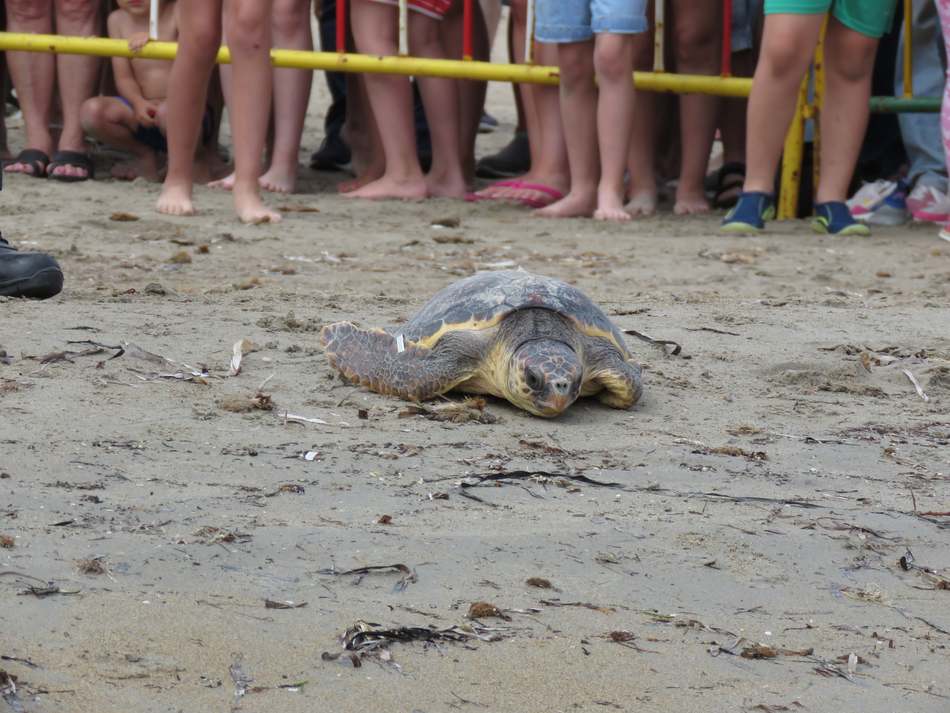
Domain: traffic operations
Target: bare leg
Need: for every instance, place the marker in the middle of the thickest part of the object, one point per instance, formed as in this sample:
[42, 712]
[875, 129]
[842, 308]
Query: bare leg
[440, 97]
[249, 36]
[471, 93]
[77, 75]
[849, 62]
[549, 163]
[361, 133]
[4, 148]
[291, 95]
[390, 98]
[641, 164]
[787, 47]
[613, 61]
[698, 28]
[33, 75]
[112, 122]
[732, 115]
[198, 41]
[579, 117]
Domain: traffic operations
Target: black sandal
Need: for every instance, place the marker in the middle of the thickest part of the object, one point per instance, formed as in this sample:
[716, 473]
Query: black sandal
[76, 159]
[728, 186]
[35, 159]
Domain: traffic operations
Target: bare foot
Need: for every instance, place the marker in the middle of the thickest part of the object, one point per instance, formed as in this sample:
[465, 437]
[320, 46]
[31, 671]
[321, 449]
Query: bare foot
[372, 173]
[279, 179]
[573, 205]
[391, 188]
[223, 184]
[251, 210]
[690, 204]
[642, 204]
[175, 200]
[445, 187]
[145, 166]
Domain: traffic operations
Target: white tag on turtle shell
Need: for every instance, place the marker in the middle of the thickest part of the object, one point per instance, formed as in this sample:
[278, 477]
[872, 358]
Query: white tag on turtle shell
[400, 344]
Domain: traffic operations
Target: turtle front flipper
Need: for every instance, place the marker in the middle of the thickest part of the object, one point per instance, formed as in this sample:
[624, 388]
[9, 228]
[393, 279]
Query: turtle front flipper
[379, 361]
[616, 381]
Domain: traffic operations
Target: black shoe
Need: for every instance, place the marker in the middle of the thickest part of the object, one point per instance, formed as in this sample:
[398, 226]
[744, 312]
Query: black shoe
[333, 155]
[513, 160]
[28, 274]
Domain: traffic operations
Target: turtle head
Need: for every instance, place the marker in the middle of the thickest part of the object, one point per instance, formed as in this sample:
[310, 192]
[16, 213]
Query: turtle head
[544, 377]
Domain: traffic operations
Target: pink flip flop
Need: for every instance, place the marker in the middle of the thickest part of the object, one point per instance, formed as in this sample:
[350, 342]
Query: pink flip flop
[552, 193]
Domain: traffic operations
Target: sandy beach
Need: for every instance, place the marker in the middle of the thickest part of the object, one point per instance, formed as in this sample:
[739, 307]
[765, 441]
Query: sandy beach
[768, 530]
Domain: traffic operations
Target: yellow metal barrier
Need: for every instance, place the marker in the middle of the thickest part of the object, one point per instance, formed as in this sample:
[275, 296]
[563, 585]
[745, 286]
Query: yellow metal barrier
[409, 66]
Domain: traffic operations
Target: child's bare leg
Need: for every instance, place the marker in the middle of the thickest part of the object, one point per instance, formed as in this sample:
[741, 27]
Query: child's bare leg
[112, 122]
[4, 148]
[549, 164]
[641, 163]
[579, 117]
[198, 41]
[291, 95]
[698, 39]
[440, 97]
[788, 43]
[361, 133]
[390, 98]
[34, 76]
[249, 36]
[613, 62]
[849, 63]
[471, 93]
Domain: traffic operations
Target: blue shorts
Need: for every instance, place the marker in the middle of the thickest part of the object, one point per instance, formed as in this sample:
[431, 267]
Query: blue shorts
[746, 15]
[562, 21]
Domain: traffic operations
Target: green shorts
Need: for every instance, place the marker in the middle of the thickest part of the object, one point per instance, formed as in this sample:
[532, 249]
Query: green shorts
[869, 17]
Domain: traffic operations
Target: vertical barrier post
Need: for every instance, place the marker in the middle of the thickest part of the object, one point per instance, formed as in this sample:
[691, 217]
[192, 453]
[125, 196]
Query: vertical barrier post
[467, 30]
[403, 28]
[908, 49]
[792, 158]
[153, 20]
[726, 38]
[529, 34]
[341, 26]
[659, 29]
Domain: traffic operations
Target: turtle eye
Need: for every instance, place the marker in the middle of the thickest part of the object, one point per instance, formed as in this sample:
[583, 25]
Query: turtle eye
[533, 378]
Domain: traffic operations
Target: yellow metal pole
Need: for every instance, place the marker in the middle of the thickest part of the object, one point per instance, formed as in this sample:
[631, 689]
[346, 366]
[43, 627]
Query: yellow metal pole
[792, 158]
[410, 66]
[818, 104]
[908, 49]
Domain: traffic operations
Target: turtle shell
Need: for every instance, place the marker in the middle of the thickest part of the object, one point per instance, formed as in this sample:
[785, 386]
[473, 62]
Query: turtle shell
[486, 298]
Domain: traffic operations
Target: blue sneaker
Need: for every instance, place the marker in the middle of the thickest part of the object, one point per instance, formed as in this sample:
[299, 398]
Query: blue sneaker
[834, 218]
[749, 214]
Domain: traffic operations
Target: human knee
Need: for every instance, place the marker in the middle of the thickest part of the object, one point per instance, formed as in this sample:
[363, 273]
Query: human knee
[290, 16]
[76, 11]
[247, 27]
[697, 45]
[424, 37]
[853, 59]
[26, 12]
[575, 65]
[613, 60]
[786, 55]
[93, 113]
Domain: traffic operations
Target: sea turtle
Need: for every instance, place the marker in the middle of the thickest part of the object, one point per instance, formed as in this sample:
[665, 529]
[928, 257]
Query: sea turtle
[534, 340]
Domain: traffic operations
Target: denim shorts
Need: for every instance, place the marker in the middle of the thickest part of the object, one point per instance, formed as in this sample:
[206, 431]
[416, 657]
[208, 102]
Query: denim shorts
[562, 21]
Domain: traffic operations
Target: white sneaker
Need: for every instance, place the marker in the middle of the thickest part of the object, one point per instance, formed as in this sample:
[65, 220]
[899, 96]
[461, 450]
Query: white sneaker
[868, 197]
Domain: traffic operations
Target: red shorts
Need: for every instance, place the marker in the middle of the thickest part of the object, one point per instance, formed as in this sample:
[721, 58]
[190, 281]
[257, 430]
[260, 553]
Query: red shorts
[432, 8]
